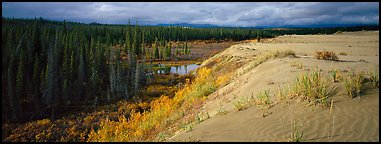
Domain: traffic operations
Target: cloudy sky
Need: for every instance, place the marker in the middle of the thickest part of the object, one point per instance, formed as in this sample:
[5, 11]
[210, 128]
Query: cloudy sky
[217, 13]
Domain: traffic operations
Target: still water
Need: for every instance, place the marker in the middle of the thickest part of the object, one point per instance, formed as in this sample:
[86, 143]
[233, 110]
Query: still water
[184, 69]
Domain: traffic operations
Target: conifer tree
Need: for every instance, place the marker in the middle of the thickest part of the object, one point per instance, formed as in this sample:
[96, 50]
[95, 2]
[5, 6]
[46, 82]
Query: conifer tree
[168, 52]
[186, 48]
[13, 101]
[143, 47]
[20, 78]
[36, 81]
[51, 68]
[136, 43]
[137, 79]
[156, 52]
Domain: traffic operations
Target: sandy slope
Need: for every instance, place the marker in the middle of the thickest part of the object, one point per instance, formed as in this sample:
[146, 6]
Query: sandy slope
[350, 120]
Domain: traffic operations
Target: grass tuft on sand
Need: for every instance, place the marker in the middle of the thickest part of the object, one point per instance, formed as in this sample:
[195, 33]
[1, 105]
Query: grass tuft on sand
[313, 88]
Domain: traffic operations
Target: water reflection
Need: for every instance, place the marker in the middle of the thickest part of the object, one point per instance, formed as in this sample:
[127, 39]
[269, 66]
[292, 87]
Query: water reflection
[184, 69]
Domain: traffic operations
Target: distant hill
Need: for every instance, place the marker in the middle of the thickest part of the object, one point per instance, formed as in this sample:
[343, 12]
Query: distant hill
[190, 25]
[313, 26]
[263, 27]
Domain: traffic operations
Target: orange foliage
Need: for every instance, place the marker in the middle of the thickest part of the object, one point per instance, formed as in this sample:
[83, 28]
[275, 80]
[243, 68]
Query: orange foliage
[139, 124]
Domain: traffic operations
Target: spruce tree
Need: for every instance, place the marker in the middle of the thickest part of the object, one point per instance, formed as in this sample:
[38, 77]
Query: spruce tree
[137, 79]
[168, 52]
[143, 47]
[136, 43]
[156, 53]
[81, 74]
[186, 48]
[51, 76]
[13, 101]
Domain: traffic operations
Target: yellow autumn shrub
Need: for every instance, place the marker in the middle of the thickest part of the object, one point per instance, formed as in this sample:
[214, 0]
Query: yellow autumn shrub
[222, 80]
[140, 124]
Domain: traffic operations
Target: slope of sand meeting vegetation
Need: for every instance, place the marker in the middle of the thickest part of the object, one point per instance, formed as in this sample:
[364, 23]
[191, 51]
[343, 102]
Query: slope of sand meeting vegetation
[280, 91]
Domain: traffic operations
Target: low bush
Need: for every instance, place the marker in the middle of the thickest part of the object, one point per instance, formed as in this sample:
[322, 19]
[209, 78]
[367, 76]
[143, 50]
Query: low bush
[326, 55]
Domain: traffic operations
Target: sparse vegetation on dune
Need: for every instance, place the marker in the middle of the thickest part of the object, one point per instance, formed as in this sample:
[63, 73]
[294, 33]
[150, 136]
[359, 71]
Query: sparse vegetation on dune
[374, 77]
[315, 88]
[262, 100]
[281, 95]
[336, 75]
[296, 133]
[241, 104]
[221, 110]
[353, 84]
[297, 64]
[311, 87]
[321, 87]
[357, 84]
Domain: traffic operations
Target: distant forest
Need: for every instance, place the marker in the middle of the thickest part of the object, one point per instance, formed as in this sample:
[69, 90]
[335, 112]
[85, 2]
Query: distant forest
[51, 66]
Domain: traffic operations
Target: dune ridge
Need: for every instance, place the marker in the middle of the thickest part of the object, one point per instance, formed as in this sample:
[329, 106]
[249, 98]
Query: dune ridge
[350, 120]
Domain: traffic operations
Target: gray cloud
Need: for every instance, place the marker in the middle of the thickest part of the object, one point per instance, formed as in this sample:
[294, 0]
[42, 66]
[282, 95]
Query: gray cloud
[219, 13]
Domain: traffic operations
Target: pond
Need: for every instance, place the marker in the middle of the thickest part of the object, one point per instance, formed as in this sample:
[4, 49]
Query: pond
[184, 69]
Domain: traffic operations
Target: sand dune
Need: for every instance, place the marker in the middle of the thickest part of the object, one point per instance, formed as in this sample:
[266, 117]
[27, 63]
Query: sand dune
[350, 120]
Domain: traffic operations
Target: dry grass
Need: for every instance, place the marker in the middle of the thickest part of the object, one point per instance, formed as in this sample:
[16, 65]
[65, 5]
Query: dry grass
[313, 88]
[330, 135]
[326, 55]
[297, 64]
[221, 110]
[262, 100]
[343, 53]
[354, 84]
[336, 75]
[296, 133]
[281, 95]
[202, 117]
[374, 77]
[241, 104]
[317, 89]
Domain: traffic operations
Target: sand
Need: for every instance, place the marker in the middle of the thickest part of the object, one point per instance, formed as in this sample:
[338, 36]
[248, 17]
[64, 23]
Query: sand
[350, 119]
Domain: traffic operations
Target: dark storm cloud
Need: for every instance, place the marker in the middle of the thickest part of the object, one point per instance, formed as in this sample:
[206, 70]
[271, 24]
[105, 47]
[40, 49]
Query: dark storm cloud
[221, 13]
